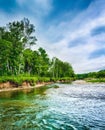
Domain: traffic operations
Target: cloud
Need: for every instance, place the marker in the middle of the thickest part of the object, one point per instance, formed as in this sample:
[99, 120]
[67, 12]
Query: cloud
[36, 8]
[97, 53]
[90, 65]
[74, 40]
[98, 30]
[73, 37]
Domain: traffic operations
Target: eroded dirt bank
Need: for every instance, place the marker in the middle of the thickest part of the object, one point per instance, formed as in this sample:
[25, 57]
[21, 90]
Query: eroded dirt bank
[10, 86]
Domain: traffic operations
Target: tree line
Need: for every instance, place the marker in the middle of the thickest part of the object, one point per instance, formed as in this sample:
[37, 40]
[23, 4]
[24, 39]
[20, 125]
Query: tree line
[99, 74]
[17, 58]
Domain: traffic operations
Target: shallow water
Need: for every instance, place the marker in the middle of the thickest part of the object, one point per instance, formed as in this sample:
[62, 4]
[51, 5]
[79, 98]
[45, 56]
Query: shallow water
[69, 107]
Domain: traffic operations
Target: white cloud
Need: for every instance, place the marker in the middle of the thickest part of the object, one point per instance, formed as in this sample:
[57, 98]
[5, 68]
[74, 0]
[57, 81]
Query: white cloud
[90, 65]
[44, 3]
[20, 2]
[39, 8]
[68, 31]
[57, 36]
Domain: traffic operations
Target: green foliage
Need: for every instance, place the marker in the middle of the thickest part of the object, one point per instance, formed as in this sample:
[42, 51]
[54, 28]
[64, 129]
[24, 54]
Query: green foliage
[81, 76]
[36, 62]
[18, 63]
[14, 37]
[96, 80]
[43, 79]
[21, 79]
[60, 69]
[93, 76]
[5, 50]
[101, 74]
[18, 79]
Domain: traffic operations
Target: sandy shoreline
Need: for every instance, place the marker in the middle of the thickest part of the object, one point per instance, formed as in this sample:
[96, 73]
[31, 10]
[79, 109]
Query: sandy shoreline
[24, 87]
[79, 82]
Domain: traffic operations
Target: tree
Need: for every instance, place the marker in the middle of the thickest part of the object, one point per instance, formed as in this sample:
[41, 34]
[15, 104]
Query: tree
[36, 62]
[44, 62]
[28, 60]
[20, 35]
[60, 69]
[16, 57]
[67, 70]
[5, 50]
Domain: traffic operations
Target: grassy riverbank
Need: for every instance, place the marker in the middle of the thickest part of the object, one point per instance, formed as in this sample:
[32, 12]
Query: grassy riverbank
[20, 79]
[7, 82]
[96, 80]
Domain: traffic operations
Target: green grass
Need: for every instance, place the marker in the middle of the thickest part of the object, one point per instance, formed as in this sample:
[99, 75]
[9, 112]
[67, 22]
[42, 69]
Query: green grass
[32, 80]
[96, 80]
[63, 79]
[19, 79]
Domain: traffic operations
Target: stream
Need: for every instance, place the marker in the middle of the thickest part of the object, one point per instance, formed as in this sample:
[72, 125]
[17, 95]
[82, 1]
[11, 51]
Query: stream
[67, 107]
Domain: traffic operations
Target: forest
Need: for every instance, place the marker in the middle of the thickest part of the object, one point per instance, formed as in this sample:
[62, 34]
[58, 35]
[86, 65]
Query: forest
[18, 62]
[92, 76]
[17, 59]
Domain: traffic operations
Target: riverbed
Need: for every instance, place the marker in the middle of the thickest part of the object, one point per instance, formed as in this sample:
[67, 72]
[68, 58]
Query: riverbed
[67, 107]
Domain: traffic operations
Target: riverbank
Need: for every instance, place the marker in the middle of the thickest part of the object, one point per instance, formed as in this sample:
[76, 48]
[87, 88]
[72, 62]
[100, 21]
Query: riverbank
[8, 88]
[79, 82]
[95, 80]
[9, 83]
[89, 81]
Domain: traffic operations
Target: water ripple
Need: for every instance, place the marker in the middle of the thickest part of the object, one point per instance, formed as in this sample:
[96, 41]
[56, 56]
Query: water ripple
[69, 107]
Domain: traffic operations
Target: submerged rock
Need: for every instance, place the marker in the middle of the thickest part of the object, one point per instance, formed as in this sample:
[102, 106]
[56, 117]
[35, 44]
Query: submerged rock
[56, 86]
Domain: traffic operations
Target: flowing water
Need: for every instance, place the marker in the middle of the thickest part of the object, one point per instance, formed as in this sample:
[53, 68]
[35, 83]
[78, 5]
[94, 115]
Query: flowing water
[69, 107]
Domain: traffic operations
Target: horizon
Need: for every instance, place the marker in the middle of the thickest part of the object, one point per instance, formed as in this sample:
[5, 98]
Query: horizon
[73, 31]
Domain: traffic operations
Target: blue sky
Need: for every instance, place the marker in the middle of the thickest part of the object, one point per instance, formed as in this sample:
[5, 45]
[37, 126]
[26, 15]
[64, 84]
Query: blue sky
[72, 30]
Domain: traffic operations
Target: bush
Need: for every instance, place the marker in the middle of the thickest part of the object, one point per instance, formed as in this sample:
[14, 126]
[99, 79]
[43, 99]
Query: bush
[19, 80]
[96, 80]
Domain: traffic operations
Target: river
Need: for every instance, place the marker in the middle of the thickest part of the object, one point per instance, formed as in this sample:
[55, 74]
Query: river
[67, 107]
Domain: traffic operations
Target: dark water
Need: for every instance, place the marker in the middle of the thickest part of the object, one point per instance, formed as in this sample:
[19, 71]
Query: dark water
[69, 107]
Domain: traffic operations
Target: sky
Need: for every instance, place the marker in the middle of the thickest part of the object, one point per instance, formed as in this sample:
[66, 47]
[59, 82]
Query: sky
[72, 30]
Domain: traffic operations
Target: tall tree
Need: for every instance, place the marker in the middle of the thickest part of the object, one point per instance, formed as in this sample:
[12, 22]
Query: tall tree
[61, 69]
[5, 58]
[44, 62]
[20, 34]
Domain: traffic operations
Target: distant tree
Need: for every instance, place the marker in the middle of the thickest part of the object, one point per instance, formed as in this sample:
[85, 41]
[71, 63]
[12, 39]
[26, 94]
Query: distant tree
[44, 62]
[28, 60]
[101, 74]
[61, 69]
[67, 70]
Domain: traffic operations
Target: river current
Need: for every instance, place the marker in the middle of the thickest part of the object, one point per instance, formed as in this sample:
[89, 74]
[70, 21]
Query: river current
[67, 107]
